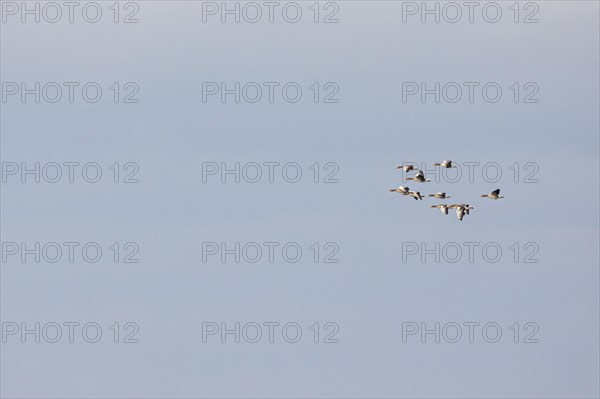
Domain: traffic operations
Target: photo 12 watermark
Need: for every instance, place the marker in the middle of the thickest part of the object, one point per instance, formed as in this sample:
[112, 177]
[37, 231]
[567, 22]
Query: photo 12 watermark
[454, 12]
[69, 172]
[269, 252]
[253, 332]
[69, 252]
[453, 332]
[70, 92]
[469, 252]
[470, 92]
[270, 12]
[270, 172]
[475, 171]
[69, 12]
[71, 332]
[270, 92]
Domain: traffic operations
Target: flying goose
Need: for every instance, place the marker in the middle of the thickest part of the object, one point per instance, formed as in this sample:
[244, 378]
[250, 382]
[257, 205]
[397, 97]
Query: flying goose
[443, 208]
[493, 195]
[406, 168]
[460, 212]
[415, 194]
[439, 195]
[420, 177]
[461, 209]
[466, 207]
[402, 190]
[444, 164]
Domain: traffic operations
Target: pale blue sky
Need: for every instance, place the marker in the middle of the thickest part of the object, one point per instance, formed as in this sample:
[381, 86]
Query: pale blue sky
[169, 53]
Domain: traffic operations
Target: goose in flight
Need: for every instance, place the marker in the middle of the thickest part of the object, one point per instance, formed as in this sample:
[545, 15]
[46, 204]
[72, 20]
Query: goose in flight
[415, 194]
[461, 209]
[460, 212]
[439, 195]
[466, 207]
[406, 168]
[402, 190]
[493, 195]
[420, 177]
[443, 208]
[444, 164]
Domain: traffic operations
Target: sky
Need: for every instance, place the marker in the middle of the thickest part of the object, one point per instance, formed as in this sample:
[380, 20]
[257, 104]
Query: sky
[376, 275]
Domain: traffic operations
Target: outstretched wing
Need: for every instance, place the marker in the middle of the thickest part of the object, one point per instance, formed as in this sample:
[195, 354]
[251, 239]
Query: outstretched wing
[496, 192]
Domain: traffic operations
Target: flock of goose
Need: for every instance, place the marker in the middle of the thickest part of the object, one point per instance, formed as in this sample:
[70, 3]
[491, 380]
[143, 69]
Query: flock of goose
[461, 209]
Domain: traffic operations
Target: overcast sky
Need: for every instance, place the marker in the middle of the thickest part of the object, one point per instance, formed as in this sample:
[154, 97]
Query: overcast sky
[376, 285]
